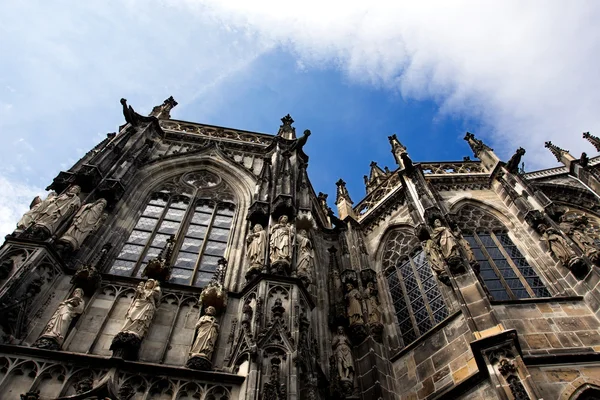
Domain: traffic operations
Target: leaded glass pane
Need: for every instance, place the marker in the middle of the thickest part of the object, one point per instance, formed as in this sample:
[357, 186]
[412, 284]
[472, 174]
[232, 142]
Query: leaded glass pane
[122, 267]
[174, 214]
[201, 218]
[160, 240]
[168, 227]
[181, 276]
[215, 248]
[146, 224]
[153, 211]
[186, 260]
[202, 278]
[222, 222]
[209, 263]
[191, 245]
[219, 234]
[130, 252]
[138, 237]
[196, 231]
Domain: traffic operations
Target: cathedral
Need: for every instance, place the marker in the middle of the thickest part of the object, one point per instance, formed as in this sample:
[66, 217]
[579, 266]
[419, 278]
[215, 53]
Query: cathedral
[183, 261]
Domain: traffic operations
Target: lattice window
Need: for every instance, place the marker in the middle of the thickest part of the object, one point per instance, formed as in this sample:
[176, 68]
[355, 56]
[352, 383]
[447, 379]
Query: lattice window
[201, 223]
[414, 290]
[504, 270]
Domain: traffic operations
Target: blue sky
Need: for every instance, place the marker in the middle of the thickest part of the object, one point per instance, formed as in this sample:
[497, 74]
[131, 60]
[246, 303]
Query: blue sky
[514, 74]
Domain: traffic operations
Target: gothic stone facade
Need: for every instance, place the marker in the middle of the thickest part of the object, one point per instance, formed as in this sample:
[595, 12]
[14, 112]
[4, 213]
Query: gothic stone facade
[178, 260]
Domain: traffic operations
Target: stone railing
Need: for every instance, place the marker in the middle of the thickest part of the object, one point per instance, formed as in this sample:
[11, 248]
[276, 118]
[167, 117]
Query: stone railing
[215, 132]
[448, 168]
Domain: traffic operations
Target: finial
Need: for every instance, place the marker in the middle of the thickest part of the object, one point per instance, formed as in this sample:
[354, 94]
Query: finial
[557, 151]
[163, 110]
[594, 140]
[286, 130]
[513, 164]
[342, 192]
[476, 144]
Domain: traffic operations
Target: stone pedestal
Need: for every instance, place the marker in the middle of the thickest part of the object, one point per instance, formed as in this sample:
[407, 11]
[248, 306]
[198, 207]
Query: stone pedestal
[126, 345]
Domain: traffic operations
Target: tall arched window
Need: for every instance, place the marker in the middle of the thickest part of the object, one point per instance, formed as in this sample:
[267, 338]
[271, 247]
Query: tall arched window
[197, 209]
[504, 270]
[414, 290]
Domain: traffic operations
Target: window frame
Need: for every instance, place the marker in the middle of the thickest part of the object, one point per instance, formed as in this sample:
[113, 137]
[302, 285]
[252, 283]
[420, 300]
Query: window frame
[193, 200]
[493, 234]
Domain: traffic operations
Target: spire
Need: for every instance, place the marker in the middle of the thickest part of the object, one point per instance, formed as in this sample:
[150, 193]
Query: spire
[286, 130]
[595, 140]
[342, 192]
[482, 151]
[163, 111]
[557, 151]
[397, 149]
[476, 144]
[343, 201]
[376, 176]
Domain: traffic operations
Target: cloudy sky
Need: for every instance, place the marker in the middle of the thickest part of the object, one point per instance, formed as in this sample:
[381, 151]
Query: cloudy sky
[514, 73]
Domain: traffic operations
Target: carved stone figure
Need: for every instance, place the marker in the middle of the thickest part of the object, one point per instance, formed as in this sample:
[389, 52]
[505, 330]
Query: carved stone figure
[255, 253]
[468, 250]
[86, 221]
[56, 330]
[142, 308]
[280, 241]
[372, 303]
[247, 313]
[305, 263]
[57, 210]
[560, 248]
[575, 229]
[36, 206]
[207, 331]
[343, 355]
[354, 309]
[447, 243]
[436, 261]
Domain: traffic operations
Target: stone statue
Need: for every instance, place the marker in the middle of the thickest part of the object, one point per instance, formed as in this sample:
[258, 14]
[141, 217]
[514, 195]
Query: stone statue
[576, 230]
[467, 246]
[281, 239]
[58, 209]
[256, 240]
[207, 330]
[559, 247]
[354, 310]
[434, 256]
[247, 313]
[142, 308]
[36, 206]
[86, 221]
[370, 296]
[343, 355]
[57, 328]
[446, 241]
[305, 262]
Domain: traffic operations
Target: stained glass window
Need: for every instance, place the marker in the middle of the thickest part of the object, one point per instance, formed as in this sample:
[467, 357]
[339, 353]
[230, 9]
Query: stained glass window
[200, 224]
[503, 269]
[415, 293]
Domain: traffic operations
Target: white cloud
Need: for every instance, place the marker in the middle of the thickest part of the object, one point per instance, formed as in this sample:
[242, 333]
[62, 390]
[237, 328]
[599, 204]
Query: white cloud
[15, 198]
[528, 69]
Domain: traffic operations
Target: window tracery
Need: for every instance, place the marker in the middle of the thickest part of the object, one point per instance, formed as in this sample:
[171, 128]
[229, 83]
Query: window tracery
[417, 299]
[504, 270]
[196, 209]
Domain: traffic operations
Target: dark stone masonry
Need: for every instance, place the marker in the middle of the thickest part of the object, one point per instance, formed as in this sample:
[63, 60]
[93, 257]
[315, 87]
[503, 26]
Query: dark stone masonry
[178, 260]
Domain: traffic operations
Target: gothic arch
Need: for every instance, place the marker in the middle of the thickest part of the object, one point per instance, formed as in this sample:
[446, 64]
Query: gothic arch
[492, 211]
[580, 387]
[397, 243]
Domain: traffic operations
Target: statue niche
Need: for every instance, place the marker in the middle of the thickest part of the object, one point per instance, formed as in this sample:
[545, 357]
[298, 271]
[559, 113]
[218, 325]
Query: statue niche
[561, 250]
[280, 246]
[255, 252]
[373, 310]
[207, 331]
[86, 221]
[448, 245]
[35, 208]
[56, 330]
[305, 261]
[56, 211]
[575, 228]
[137, 321]
[341, 365]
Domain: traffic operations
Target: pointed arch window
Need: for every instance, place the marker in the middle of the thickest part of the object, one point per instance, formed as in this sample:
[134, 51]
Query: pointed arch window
[503, 269]
[198, 210]
[417, 299]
